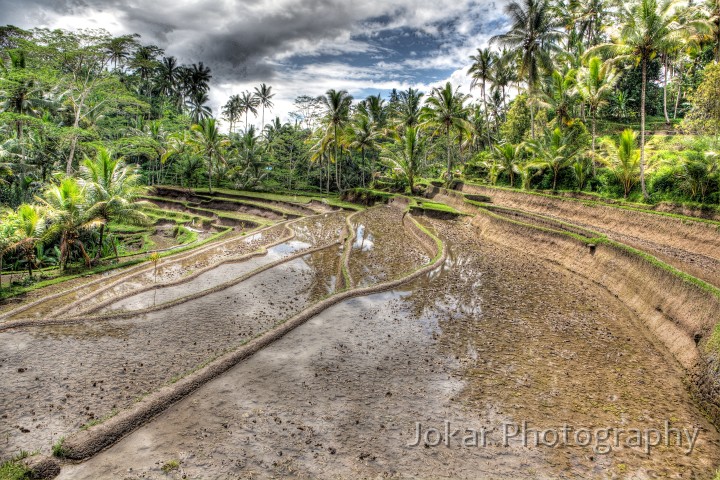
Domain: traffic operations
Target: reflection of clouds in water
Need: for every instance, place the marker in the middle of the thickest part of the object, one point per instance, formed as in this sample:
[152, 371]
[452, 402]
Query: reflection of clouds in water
[364, 240]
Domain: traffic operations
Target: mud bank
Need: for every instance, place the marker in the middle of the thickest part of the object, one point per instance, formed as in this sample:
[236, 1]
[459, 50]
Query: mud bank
[692, 246]
[679, 314]
[479, 342]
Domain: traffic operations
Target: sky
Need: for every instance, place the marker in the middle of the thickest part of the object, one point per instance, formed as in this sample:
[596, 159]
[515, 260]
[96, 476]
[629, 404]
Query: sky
[298, 47]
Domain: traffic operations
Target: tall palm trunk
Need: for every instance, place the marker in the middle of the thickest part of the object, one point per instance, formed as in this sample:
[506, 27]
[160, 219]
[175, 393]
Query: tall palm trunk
[449, 165]
[100, 242]
[642, 129]
[665, 81]
[210, 174]
[487, 118]
[337, 161]
[594, 134]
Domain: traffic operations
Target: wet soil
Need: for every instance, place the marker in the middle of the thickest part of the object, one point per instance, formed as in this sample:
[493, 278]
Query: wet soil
[87, 370]
[497, 335]
[383, 249]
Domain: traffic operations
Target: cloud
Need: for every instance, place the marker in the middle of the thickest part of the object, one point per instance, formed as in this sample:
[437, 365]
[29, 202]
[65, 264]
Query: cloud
[298, 46]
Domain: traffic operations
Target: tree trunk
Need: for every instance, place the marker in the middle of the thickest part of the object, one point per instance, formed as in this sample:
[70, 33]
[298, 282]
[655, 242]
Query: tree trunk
[335, 157]
[594, 122]
[665, 68]
[29, 262]
[100, 242]
[449, 160]
[362, 150]
[487, 118]
[210, 175]
[532, 121]
[642, 129]
[677, 98]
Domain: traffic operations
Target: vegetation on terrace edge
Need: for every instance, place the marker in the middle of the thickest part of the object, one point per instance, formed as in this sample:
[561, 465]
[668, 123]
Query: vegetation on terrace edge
[619, 101]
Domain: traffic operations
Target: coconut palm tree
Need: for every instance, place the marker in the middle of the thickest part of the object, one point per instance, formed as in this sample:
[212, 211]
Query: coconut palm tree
[534, 33]
[197, 105]
[363, 138]
[263, 95]
[337, 112]
[509, 156]
[445, 110]
[406, 159]
[67, 213]
[481, 71]
[554, 150]
[207, 140]
[594, 83]
[248, 104]
[232, 111]
[410, 103]
[623, 158]
[648, 27]
[27, 227]
[113, 189]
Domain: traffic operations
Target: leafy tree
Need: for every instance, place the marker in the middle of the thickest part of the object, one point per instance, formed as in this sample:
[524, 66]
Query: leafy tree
[337, 111]
[534, 33]
[406, 159]
[27, 226]
[112, 189]
[556, 149]
[595, 83]
[264, 94]
[509, 156]
[623, 158]
[68, 216]
[445, 110]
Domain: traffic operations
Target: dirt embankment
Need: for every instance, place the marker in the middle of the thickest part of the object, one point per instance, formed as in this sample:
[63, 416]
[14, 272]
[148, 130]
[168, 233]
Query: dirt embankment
[691, 246]
[679, 314]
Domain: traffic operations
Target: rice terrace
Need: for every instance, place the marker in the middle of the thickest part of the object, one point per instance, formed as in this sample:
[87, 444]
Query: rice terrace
[408, 239]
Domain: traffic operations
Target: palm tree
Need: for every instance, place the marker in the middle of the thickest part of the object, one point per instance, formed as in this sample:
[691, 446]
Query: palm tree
[407, 159]
[248, 103]
[623, 159]
[534, 33]
[481, 71]
[560, 95]
[113, 189]
[648, 28]
[197, 79]
[28, 226]
[169, 78]
[445, 109]
[199, 111]
[232, 110]
[120, 48]
[207, 139]
[337, 111]
[509, 156]
[554, 150]
[263, 96]
[363, 137]
[67, 216]
[594, 83]
[409, 105]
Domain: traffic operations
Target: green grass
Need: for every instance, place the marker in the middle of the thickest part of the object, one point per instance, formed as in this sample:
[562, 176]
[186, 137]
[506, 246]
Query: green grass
[58, 450]
[15, 469]
[170, 465]
[437, 207]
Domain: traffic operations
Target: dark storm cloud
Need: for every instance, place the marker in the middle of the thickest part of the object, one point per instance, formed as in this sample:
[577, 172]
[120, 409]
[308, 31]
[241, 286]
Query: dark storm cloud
[249, 38]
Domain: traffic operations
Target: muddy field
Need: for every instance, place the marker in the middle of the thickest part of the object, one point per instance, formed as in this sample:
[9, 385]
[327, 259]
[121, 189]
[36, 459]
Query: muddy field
[382, 250]
[494, 337]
